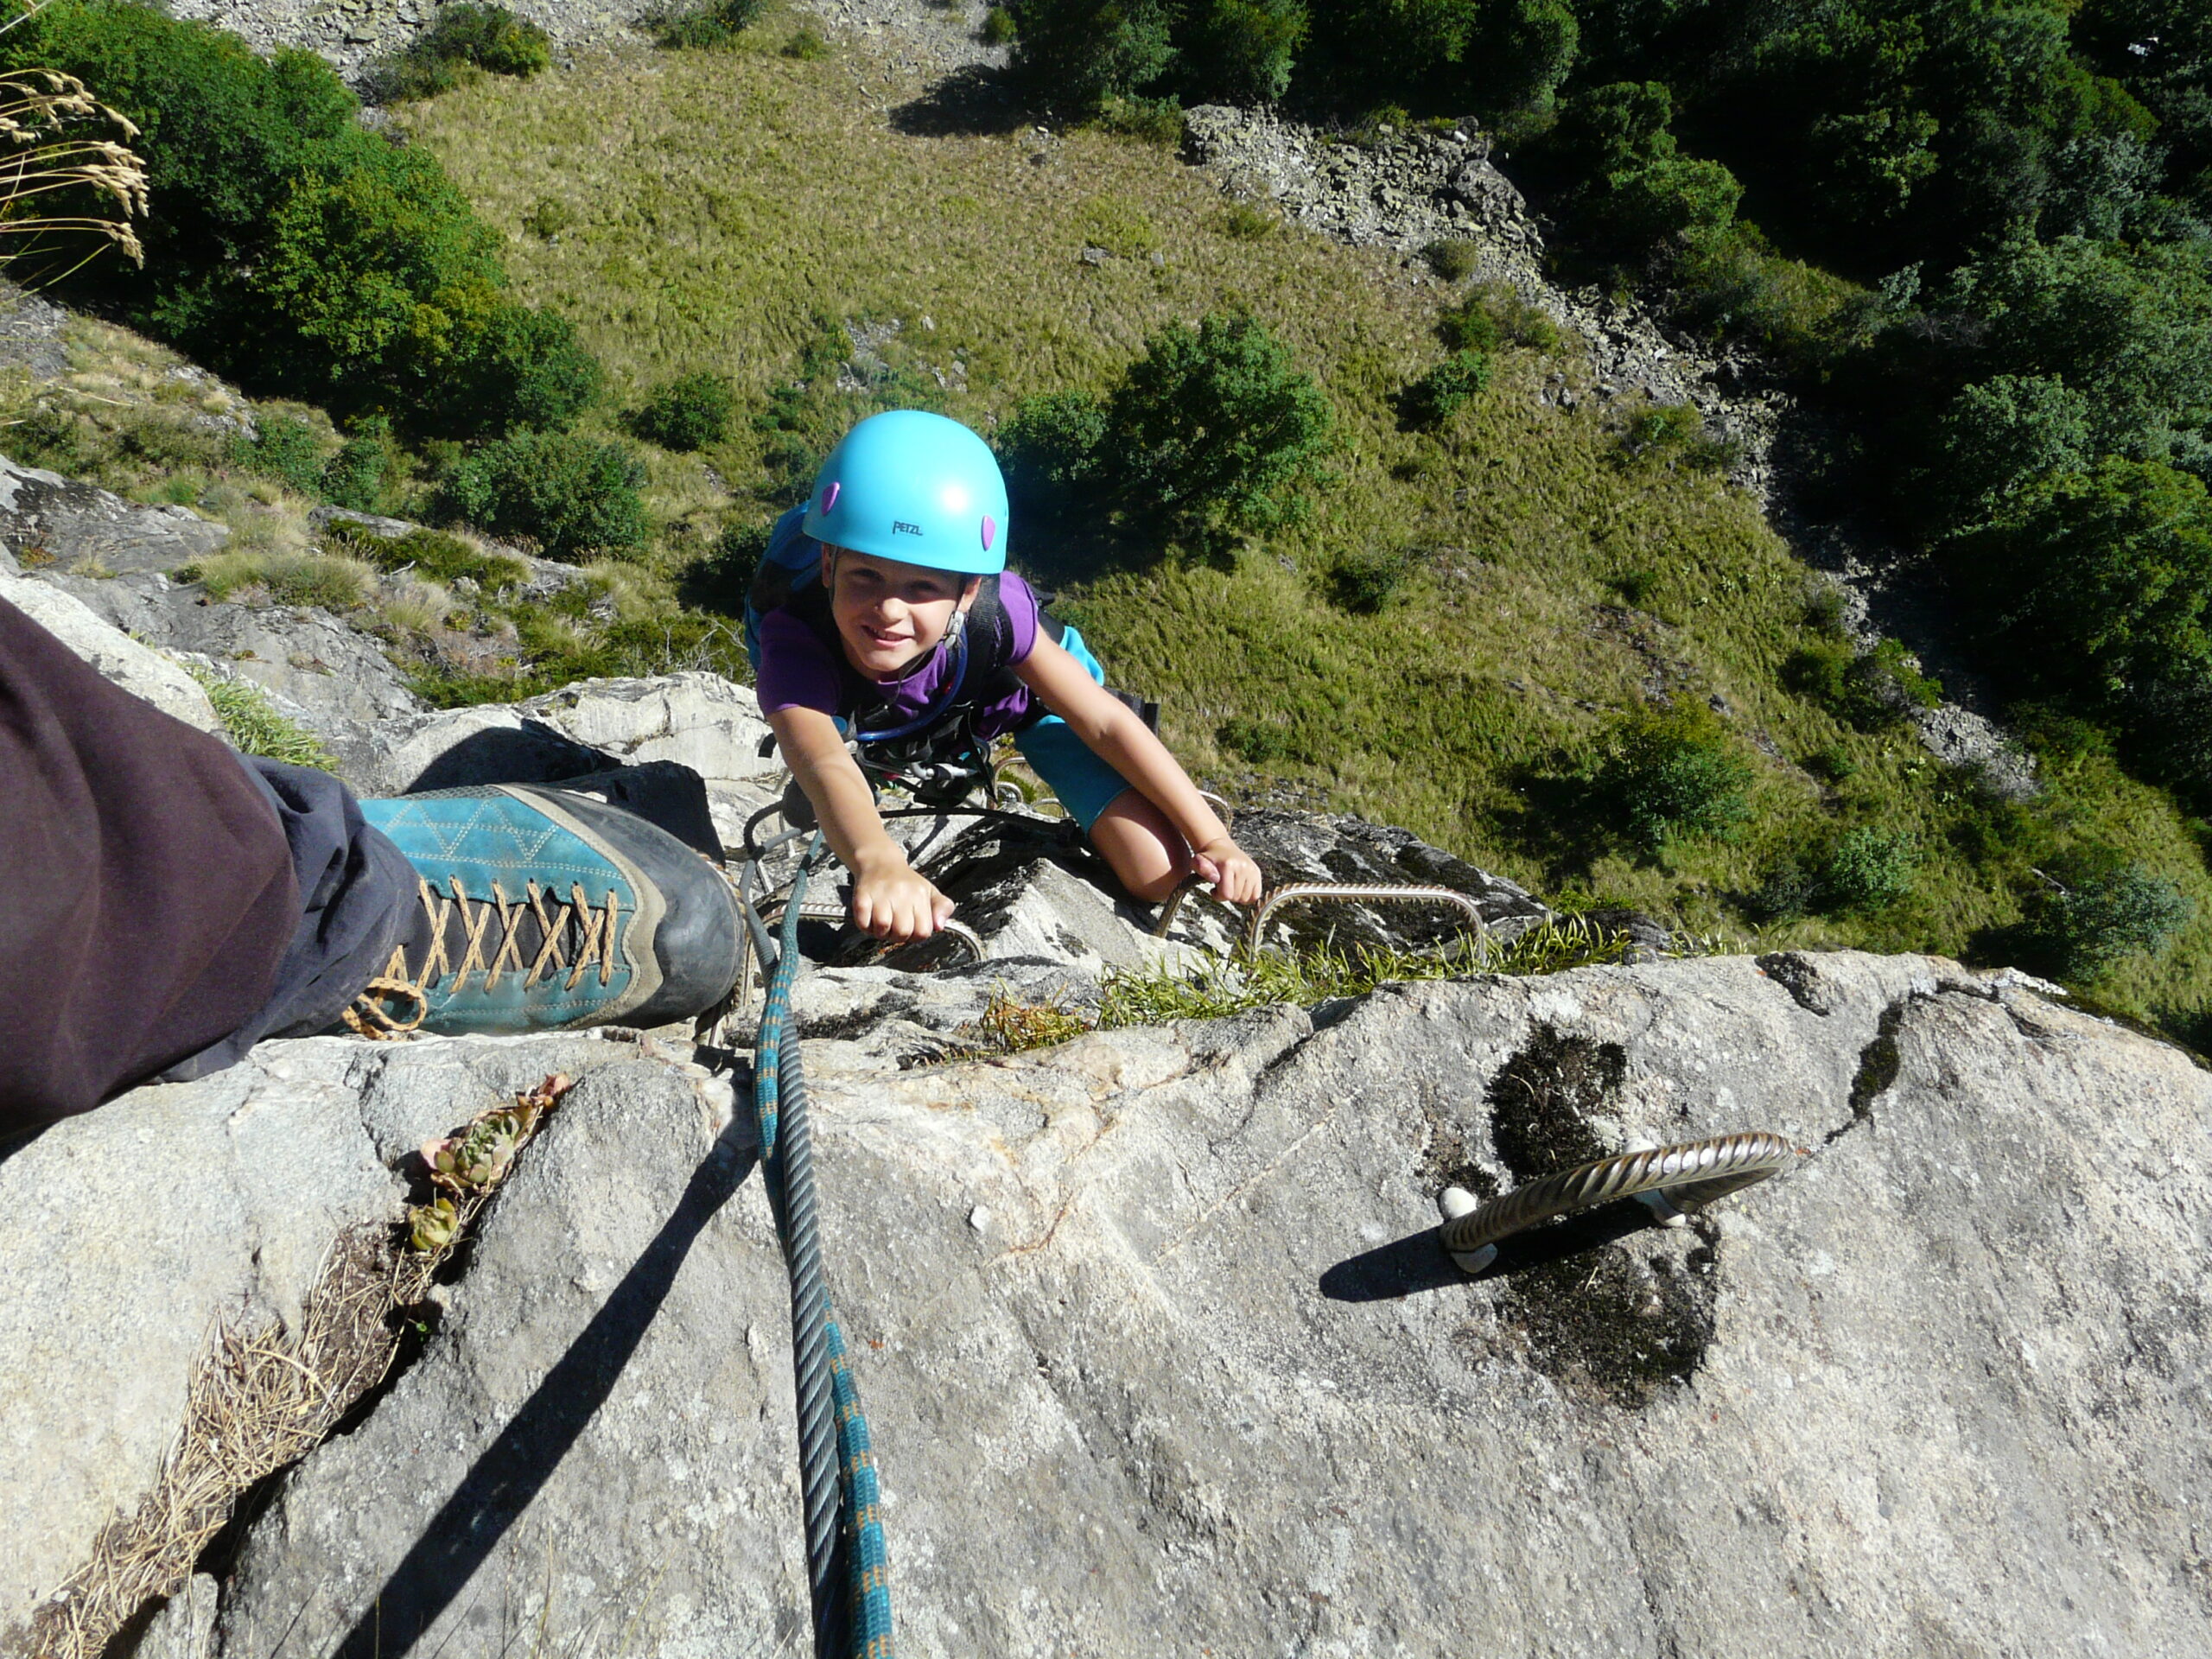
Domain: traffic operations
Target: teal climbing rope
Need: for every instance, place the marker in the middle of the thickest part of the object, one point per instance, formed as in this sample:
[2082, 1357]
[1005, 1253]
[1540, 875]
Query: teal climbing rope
[848, 1567]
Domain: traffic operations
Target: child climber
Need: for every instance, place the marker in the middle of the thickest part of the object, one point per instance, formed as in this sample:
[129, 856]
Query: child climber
[884, 609]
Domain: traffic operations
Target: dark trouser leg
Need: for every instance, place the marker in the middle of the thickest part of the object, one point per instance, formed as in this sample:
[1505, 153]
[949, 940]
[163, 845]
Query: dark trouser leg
[357, 894]
[147, 895]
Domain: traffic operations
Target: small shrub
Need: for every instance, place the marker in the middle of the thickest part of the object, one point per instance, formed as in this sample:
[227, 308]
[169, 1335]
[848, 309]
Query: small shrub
[414, 605]
[1494, 315]
[1010, 1026]
[1242, 222]
[807, 44]
[465, 40]
[687, 413]
[717, 22]
[1674, 776]
[1635, 589]
[1379, 125]
[1444, 391]
[1119, 225]
[252, 722]
[1213, 427]
[1454, 259]
[1367, 579]
[1734, 284]
[330, 581]
[998, 28]
[1674, 434]
[53, 438]
[2101, 908]
[1790, 889]
[1260, 741]
[571, 495]
[1868, 870]
[1151, 120]
[720, 579]
[548, 217]
[1832, 764]
[365, 471]
[1470, 327]
[1050, 449]
[1826, 609]
[1872, 690]
[527, 369]
[284, 447]
[441, 557]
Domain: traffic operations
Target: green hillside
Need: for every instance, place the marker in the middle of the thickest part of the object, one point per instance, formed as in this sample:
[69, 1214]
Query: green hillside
[1459, 635]
[730, 209]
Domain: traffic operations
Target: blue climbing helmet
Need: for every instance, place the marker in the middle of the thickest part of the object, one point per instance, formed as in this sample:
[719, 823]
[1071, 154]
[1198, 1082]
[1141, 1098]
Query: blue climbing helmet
[914, 487]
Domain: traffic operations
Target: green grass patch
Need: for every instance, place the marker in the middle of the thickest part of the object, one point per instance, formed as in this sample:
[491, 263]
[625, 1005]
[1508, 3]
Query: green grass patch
[252, 722]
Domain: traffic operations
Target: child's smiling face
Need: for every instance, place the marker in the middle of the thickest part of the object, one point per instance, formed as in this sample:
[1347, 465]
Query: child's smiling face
[888, 614]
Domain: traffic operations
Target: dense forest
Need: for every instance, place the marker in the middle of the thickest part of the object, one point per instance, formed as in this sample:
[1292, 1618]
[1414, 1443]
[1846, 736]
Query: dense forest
[1978, 229]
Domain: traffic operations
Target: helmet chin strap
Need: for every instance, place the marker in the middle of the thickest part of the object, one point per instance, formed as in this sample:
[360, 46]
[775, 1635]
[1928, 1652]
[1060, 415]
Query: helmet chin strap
[957, 638]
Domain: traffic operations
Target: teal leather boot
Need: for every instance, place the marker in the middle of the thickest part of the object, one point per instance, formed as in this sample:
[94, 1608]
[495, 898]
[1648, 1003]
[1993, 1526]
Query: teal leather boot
[545, 910]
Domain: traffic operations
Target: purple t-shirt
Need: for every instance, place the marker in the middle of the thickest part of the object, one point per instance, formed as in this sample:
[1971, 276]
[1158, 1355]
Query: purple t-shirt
[800, 669]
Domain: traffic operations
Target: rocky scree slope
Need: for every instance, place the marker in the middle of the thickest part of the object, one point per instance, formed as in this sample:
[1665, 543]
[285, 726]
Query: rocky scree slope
[1150, 1325]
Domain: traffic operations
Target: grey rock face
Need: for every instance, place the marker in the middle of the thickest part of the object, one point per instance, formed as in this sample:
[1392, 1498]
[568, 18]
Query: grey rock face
[68, 523]
[1153, 1336]
[598, 1444]
[30, 333]
[330, 677]
[170, 1207]
[138, 671]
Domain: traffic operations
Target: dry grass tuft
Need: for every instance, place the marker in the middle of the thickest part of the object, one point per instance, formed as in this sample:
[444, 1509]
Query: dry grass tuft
[261, 1398]
[265, 1397]
[54, 136]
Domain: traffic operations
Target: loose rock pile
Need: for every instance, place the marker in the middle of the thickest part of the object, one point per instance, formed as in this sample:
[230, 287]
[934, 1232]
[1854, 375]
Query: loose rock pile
[1406, 190]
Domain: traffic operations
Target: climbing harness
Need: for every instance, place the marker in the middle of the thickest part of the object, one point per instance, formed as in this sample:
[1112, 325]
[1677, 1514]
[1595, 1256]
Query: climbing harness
[1667, 1178]
[848, 1565]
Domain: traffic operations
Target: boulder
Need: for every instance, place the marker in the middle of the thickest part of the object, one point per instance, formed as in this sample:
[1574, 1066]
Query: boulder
[1153, 1334]
[70, 524]
[697, 719]
[137, 670]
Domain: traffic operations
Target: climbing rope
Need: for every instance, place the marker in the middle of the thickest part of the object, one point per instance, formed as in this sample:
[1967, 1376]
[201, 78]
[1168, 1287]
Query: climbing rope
[848, 1565]
[1693, 1172]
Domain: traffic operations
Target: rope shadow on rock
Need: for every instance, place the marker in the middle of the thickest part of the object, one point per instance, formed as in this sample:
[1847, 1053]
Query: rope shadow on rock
[509, 1474]
[1417, 1262]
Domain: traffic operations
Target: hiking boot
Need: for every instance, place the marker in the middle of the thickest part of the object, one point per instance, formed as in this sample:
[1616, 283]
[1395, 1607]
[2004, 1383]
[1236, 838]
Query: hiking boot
[545, 910]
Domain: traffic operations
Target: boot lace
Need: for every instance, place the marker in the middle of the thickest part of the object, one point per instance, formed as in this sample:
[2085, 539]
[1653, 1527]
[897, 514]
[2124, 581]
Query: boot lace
[495, 925]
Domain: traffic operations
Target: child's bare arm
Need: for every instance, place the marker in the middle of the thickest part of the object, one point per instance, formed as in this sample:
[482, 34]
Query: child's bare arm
[890, 899]
[1113, 731]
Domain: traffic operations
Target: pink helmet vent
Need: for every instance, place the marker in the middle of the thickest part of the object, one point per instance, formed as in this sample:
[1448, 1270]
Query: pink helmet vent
[829, 500]
[991, 531]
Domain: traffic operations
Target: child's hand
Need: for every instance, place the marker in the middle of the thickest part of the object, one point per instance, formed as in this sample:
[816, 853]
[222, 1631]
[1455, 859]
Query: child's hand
[896, 902]
[1235, 877]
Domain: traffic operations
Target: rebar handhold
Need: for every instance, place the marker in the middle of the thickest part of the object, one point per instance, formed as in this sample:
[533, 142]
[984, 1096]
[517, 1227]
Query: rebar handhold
[1455, 1201]
[1661, 1206]
[1695, 1172]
